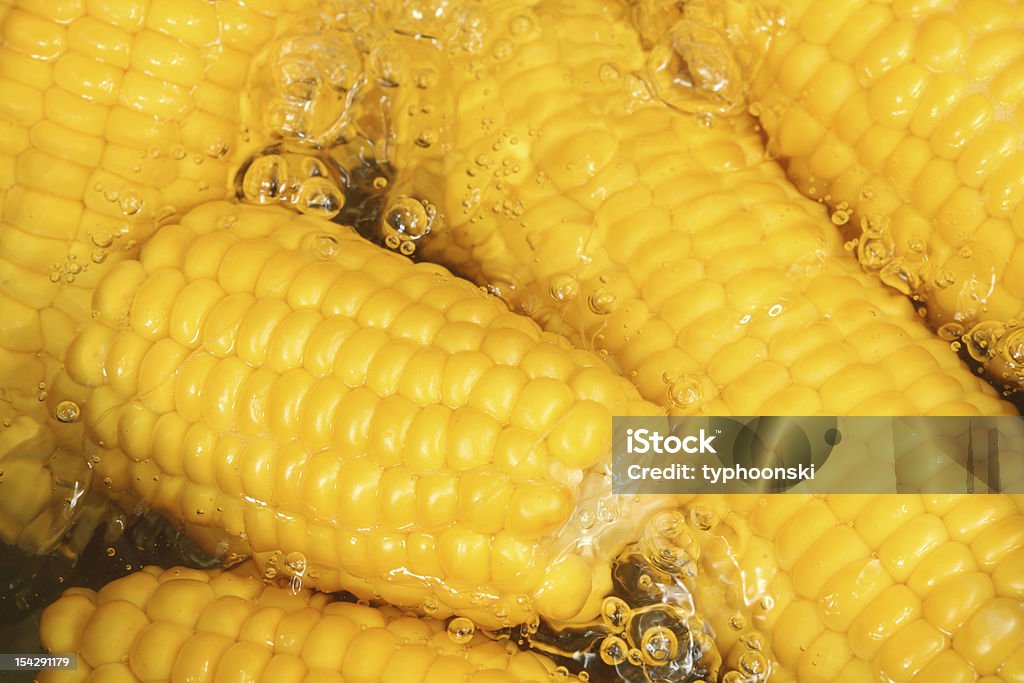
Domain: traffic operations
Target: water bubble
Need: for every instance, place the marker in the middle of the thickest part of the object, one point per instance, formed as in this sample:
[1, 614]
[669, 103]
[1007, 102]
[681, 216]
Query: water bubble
[685, 391]
[602, 301]
[217, 148]
[586, 519]
[981, 340]
[67, 411]
[392, 241]
[659, 646]
[874, 225]
[426, 78]
[734, 677]
[753, 663]
[320, 197]
[841, 216]
[1012, 347]
[693, 68]
[380, 183]
[608, 73]
[945, 279]
[635, 656]
[296, 563]
[520, 24]
[430, 605]
[873, 253]
[407, 248]
[111, 552]
[950, 331]
[898, 274]
[102, 239]
[407, 217]
[560, 673]
[703, 518]
[266, 180]
[753, 641]
[503, 49]
[461, 630]
[426, 138]
[615, 613]
[563, 288]
[613, 650]
[311, 167]
[737, 622]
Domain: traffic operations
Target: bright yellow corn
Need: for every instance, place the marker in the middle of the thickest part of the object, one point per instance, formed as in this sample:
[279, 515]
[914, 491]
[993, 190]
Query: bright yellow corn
[115, 116]
[904, 117]
[221, 365]
[667, 241]
[294, 387]
[876, 588]
[180, 624]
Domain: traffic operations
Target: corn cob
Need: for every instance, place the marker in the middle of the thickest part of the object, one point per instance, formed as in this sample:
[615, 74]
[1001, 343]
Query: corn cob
[183, 624]
[875, 588]
[666, 241]
[905, 119]
[116, 115]
[288, 383]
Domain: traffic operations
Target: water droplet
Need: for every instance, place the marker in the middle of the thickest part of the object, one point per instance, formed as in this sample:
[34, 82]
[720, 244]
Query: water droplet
[426, 138]
[320, 197]
[461, 630]
[392, 241]
[602, 301]
[659, 646]
[965, 253]
[615, 613]
[429, 605]
[111, 552]
[407, 248]
[613, 650]
[380, 183]
[563, 288]
[178, 152]
[635, 657]
[67, 411]
[560, 673]
[737, 622]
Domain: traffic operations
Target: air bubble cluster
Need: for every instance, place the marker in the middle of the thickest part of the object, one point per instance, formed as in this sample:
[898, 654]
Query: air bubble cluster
[301, 182]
